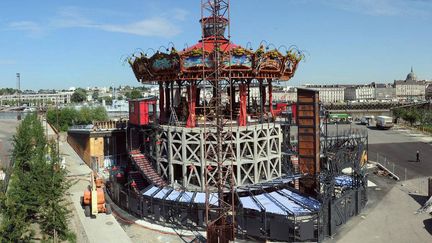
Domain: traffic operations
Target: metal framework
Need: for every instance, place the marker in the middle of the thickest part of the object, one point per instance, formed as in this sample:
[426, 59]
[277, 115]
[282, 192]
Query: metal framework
[253, 151]
[215, 14]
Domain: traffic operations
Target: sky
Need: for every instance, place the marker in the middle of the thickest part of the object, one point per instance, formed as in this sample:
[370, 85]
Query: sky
[81, 43]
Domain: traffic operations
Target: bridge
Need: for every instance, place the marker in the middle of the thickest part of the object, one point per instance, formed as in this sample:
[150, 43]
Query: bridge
[373, 105]
[358, 110]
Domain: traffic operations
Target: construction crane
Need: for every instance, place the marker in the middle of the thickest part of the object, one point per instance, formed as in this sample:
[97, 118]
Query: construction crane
[93, 200]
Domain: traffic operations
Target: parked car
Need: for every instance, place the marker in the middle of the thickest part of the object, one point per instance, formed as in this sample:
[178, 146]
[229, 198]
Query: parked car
[366, 120]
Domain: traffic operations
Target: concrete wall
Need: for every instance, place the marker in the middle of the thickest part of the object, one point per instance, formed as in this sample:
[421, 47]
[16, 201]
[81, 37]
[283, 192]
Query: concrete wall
[87, 147]
[97, 149]
[80, 143]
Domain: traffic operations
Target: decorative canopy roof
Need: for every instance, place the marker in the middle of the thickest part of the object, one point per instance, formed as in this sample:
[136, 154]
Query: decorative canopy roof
[197, 62]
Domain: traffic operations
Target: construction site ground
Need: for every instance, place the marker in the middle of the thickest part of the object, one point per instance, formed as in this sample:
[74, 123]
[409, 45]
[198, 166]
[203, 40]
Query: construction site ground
[390, 214]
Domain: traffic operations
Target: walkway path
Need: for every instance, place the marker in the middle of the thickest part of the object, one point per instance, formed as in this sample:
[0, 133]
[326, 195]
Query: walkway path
[103, 228]
[393, 219]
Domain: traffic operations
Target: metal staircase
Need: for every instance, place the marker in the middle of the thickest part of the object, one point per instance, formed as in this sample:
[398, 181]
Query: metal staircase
[146, 168]
[135, 176]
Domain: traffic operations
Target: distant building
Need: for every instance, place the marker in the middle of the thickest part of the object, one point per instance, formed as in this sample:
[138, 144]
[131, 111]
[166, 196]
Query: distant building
[287, 95]
[410, 88]
[385, 92]
[38, 99]
[360, 93]
[428, 93]
[329, 93]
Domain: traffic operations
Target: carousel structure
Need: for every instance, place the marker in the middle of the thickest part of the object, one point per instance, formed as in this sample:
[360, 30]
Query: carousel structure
[206, 155]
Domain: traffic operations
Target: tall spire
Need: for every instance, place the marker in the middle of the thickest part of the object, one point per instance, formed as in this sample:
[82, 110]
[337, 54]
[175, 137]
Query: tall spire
[411, 68]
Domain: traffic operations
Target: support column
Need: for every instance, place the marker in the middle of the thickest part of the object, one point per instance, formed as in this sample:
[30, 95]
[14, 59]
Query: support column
[263, 99]
[170, 156]
[242, 120]
[238, 158]
[172, 93]
[248, 98]
[184, 146]
[203, 160]
[161, 103]
[197, 97]
[168, 101]
[270, 94]
[233, 94]
[154, 111]
[177, 94]
[255, 155]
[191, 121]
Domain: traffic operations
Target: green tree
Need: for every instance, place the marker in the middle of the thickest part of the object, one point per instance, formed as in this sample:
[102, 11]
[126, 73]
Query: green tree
[134, 94]
[53, 213]
[99, 114]
[85, 115]
[66, 117]
[37, 189]
[108, 100]
[95, 95]
[398, 113]
[412, 116]
[19, 207]
[79, 95]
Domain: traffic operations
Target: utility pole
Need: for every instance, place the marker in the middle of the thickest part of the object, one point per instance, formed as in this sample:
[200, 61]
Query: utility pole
[18, 76]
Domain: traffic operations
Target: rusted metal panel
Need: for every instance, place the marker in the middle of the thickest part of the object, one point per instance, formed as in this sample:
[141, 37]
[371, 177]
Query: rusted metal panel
[308, 131]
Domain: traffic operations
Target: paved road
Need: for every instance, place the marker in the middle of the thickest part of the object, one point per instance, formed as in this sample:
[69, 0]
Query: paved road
[7, 130]
[396, 148]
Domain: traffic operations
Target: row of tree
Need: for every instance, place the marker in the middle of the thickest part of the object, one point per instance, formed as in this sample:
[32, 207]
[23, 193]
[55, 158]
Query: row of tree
[8, 91]
[35, 207]
[413, 115]
[80, 95]
[65, 117]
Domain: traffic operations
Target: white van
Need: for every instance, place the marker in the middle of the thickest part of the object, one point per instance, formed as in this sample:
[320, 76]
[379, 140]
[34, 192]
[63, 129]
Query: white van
[384, 122]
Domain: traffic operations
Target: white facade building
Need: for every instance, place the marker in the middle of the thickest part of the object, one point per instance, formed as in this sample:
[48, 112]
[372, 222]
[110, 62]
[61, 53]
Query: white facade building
[39, 99]
[329, 93]
[410, 88]
[385, 92]
[360, 93]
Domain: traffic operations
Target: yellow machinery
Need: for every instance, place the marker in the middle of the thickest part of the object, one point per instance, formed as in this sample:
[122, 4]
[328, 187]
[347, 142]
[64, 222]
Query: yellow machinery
[93, 200]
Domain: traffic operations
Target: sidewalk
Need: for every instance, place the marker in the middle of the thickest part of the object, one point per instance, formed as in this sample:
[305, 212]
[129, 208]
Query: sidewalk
[103, 228]
[393, 219]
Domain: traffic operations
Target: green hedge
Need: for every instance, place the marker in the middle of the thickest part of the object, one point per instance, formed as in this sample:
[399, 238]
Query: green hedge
[63, 118]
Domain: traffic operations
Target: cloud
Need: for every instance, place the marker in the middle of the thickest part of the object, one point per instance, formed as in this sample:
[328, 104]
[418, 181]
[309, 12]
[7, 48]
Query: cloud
[73, 17]
[149, 27]
[32, 28]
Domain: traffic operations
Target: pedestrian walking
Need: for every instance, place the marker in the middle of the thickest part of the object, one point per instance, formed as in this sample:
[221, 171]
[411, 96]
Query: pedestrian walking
[418, 156]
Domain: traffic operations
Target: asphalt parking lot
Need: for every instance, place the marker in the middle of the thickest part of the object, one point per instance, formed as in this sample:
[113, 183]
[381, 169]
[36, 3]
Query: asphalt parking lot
[396, 149]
